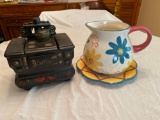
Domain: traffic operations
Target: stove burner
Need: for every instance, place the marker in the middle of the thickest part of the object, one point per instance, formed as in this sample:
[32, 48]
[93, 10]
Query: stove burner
[48, 44]
[31, 46]
[31, 42]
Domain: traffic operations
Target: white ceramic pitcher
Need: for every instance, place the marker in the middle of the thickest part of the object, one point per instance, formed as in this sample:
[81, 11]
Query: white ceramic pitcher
[108, 49]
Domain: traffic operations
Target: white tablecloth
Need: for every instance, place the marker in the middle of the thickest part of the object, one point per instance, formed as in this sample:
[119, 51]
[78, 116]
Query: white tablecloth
[79, 98]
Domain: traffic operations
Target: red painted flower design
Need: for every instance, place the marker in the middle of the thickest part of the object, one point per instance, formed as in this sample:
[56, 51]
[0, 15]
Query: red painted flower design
[40, 79]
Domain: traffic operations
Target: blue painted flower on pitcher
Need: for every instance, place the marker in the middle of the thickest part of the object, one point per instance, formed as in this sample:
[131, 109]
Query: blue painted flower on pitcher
[119, 50]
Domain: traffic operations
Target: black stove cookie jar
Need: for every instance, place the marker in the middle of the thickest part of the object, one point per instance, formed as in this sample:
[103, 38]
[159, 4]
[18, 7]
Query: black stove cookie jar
[40, 55]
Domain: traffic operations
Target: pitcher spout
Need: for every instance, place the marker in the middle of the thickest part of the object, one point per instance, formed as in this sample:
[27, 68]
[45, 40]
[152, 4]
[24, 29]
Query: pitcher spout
[107, 25]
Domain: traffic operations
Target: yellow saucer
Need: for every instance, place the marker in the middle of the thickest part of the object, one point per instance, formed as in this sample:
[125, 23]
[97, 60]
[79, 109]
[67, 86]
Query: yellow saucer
[129, 74]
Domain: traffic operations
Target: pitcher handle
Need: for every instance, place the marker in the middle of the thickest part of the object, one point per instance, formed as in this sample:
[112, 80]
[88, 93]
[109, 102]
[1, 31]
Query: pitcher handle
[137, 48]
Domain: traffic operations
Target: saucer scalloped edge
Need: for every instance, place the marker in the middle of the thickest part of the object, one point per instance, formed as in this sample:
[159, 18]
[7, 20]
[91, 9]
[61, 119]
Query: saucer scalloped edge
[129, 74]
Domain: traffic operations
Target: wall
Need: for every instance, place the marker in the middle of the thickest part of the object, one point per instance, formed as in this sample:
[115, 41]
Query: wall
[149, 15]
